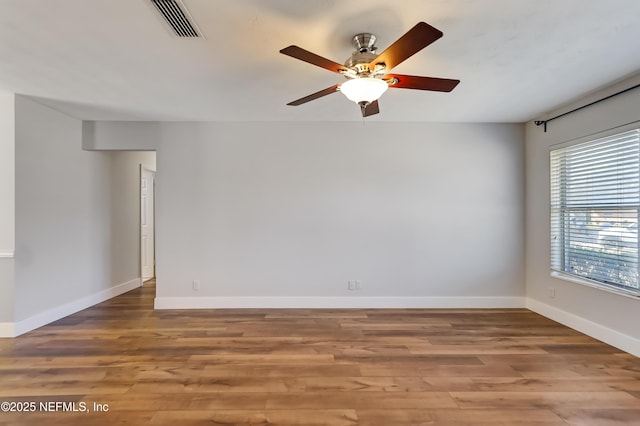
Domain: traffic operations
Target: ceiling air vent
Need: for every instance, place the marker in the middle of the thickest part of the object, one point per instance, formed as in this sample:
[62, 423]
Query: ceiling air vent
[176, 17]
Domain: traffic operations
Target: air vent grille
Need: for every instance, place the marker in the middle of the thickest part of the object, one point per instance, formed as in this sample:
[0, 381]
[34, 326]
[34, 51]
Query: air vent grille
[176, 18]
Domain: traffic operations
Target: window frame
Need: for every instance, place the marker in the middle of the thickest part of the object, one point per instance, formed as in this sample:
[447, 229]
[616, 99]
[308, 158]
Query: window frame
[568, 276]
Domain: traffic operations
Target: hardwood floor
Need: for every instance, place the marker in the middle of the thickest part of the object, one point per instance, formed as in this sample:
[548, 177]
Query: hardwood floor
[313, 367]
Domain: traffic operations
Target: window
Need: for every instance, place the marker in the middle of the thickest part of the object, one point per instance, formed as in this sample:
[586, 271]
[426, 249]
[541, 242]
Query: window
[595, 200]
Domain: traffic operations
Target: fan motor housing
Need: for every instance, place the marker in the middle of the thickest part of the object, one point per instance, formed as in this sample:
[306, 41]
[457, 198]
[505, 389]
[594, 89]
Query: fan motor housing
[360, 62]
[365, 53]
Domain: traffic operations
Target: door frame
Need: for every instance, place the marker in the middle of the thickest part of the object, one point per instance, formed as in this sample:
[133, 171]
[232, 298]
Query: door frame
[153, 213]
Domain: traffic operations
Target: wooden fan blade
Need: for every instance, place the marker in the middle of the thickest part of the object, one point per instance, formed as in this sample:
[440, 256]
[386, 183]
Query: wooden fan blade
[311, 97]
[421, 83]
[312, 58]
[416, 39]
[371, 109]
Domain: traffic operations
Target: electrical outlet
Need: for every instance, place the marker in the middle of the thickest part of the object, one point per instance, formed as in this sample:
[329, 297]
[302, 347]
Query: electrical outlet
[552, 292]
[196, 285]
[354, 285]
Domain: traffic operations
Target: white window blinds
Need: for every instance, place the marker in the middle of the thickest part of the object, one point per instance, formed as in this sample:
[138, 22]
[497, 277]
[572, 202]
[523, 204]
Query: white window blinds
[595, 200]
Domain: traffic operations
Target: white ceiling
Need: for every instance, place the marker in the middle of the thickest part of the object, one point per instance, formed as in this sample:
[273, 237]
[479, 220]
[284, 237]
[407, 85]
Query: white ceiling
[115, 59]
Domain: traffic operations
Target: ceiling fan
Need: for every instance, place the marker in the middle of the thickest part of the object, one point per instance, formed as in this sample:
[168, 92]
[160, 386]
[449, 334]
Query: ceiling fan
[367, 72]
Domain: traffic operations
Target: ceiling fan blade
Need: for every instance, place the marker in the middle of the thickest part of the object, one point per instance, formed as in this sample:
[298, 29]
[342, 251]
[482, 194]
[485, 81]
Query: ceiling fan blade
[414, 40]
[370, 109]
[313, 96]
[312, 58]
[421, 83]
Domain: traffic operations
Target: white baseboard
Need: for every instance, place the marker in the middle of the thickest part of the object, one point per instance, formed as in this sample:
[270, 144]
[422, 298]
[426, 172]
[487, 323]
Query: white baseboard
[7, 329]
[69, 308]
[597, 331]
[337, 302]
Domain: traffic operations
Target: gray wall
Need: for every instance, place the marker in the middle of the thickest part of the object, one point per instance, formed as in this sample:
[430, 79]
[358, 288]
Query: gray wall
[6, 296]
[614, 312]
[7, 172]
[62, 212]
[7, 207]
[77, 220]
[298, 209]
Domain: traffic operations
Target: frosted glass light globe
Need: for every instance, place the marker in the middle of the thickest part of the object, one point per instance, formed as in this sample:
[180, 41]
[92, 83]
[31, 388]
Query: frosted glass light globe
[365, 89]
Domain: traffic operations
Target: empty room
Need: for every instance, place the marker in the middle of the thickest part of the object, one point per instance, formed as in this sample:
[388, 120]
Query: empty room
[279, 212]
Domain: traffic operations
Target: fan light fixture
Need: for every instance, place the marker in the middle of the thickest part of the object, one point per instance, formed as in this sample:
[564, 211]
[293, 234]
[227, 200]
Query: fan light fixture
[363, 90]
[367, 72]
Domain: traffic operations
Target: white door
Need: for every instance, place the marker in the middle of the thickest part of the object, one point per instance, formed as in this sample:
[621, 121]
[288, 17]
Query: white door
[147, 232]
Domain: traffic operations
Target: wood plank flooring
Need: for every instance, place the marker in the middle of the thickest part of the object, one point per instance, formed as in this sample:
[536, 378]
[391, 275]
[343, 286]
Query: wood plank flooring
[313, 367]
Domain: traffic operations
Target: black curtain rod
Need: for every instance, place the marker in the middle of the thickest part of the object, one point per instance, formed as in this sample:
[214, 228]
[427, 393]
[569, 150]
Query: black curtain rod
[541, 122]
